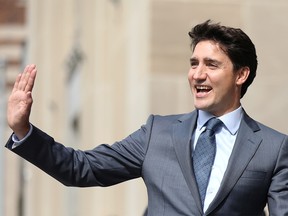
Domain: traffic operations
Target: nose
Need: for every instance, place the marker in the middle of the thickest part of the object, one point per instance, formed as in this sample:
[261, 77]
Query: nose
[198, 73]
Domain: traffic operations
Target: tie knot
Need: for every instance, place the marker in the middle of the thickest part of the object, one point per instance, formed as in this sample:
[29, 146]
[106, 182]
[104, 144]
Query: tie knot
[213, 124]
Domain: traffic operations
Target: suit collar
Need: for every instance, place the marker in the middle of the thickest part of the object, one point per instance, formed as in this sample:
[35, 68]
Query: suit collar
[182, 133]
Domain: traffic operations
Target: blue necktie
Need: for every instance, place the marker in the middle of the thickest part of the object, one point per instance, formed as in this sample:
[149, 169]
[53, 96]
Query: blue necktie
[204, 155]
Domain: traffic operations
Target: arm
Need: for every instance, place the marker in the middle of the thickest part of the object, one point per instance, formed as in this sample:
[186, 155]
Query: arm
[278, 191]
[104, 165]
[20, 102]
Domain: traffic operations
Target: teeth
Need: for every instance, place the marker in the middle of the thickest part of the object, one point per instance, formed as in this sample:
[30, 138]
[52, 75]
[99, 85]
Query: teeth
[203, 87]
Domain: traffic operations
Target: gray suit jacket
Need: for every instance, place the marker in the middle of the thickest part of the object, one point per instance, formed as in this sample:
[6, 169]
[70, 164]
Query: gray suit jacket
[160, 153]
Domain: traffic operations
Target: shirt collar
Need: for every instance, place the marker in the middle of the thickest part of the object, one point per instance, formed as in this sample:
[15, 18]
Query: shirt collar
[231, 120]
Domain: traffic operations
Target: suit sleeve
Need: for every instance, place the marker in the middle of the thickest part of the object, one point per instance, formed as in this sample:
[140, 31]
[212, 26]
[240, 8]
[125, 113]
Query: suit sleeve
[278, 191]
[104, 165]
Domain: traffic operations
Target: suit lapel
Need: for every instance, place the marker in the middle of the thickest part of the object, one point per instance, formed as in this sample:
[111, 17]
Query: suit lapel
[182, 133]
[246, 145]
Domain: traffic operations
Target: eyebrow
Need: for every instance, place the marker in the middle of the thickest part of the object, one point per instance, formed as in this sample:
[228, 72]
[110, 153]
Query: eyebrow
[193, 60]
[210, 60]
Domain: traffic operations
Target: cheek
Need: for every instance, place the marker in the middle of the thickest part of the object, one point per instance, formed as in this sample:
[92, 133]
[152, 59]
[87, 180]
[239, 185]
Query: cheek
[190, 75]
[225, 90]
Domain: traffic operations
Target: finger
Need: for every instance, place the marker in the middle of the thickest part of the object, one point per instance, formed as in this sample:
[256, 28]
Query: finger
[15, 87]
[21, 83]
[25, 77]
[31, 80]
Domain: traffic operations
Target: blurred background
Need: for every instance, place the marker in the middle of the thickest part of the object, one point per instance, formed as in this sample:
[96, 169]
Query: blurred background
[103, 67]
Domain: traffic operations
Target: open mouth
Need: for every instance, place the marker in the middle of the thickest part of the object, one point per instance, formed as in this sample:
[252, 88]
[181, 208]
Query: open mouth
[202, 88]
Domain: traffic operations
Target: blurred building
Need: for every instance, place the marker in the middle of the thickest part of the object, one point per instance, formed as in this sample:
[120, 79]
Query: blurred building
[104, 66]
[12, 46]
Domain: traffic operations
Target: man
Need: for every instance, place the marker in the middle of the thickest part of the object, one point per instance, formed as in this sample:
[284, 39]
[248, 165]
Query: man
[250, 166]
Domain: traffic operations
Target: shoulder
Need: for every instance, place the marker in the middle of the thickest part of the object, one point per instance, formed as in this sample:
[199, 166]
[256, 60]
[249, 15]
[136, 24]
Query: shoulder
[171, 119]
[270, 132]
[264, 130]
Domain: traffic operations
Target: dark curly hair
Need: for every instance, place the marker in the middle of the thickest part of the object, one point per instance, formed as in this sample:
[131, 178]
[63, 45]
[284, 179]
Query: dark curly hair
[234, 42]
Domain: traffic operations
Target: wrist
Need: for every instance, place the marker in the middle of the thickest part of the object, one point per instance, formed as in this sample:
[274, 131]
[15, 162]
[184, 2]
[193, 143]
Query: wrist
[22, 132]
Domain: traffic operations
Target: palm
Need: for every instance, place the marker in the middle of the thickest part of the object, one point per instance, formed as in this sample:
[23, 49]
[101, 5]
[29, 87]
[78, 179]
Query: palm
[20, 101]
[19, 105]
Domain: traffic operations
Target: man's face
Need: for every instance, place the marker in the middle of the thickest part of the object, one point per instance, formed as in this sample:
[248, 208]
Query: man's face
[215, 86]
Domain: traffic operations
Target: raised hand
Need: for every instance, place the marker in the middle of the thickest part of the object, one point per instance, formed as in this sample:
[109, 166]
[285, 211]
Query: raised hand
[20, 102]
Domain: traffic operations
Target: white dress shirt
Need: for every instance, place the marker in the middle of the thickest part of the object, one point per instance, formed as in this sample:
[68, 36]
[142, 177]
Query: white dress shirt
[225, 139]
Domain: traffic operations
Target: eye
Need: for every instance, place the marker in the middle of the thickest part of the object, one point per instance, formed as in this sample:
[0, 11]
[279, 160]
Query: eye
[193, 63]
[212, 65]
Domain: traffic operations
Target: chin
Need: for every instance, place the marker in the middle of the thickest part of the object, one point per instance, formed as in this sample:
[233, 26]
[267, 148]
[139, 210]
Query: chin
[206, 109]
[201, 106]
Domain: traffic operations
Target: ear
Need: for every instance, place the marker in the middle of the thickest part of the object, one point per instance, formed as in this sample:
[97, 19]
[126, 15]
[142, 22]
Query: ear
[242, 75]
